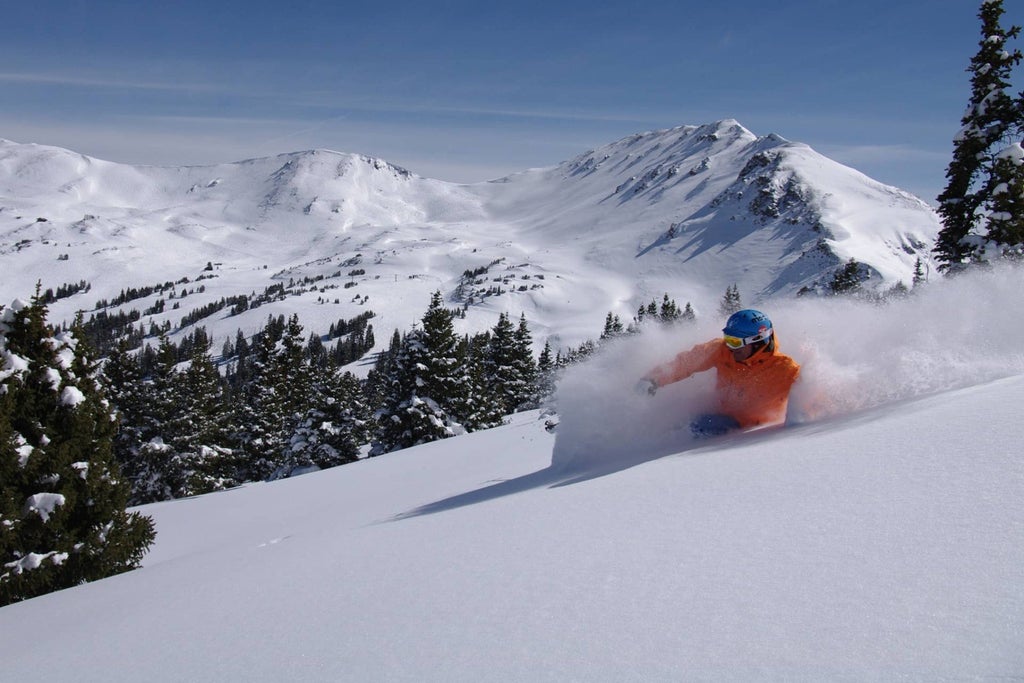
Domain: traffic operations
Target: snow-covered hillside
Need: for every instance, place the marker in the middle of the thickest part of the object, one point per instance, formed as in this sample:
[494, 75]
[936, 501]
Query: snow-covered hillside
[883, 541]
[687, 211]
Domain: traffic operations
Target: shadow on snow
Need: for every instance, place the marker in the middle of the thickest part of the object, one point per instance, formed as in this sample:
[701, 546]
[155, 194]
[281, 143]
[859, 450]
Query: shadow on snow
[568, 469]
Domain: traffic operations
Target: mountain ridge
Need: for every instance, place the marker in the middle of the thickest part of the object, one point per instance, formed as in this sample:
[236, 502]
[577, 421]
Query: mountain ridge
[686, 211]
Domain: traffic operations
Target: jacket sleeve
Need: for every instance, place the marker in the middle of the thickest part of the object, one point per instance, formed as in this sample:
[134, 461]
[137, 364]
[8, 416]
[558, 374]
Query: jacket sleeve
[697, 359]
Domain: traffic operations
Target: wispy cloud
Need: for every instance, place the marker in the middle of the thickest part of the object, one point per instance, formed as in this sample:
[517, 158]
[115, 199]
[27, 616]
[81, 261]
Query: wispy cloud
[349, 98]
[81, 81]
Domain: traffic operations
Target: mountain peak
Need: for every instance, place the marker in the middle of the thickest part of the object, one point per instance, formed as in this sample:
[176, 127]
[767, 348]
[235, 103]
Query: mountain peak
[687, 210]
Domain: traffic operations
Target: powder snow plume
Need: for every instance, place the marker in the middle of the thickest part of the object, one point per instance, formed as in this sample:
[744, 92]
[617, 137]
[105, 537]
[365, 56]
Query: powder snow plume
[854, 356]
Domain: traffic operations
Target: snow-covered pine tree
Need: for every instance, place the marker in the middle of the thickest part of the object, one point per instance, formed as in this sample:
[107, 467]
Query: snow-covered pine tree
[294, 375]
[62, 499]
[992, 124]
[525, 367]
[502, 374]
[688, 315]
[1006, 202]
[408, 416]
[173, 430]
[669, 312]
[122, 382]
[375, 386]
[547, 369]
[332, 428]
[157, 471]
[316, 352]
[422, 385]
[443, 382]
[260, 412]
[278, 396]
[846, 280]
[613, 327]
[202, 423]
[731, 301]
[477, 407]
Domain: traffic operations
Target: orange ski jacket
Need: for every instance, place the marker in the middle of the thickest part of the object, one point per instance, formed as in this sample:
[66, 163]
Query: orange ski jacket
[754, 391]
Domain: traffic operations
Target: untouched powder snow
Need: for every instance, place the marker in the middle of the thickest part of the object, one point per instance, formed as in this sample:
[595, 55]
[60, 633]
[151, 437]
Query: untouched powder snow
[882, 541]
[685, 211]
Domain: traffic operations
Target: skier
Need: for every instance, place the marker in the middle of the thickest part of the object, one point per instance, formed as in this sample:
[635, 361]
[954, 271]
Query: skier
[753, 382]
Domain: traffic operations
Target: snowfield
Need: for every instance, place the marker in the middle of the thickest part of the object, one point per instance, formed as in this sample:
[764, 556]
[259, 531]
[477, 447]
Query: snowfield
[881, 540]
[686, 211]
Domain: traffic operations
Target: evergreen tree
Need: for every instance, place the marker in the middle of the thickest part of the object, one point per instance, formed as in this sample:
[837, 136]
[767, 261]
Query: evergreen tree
[478, 407]
[847, 280]
[547, 368]
[316, 352]
[443, 381]
[164, 392]
[669, 312]
[409, 416]
[897, 291]
[173, 429]
[688, 315]
[525, 367]
[243, 351]
[731, 301]
[502, 375]
[156, 471]
[976, 182]
[576, 355]
[919, 275]
[375, 387]
[285, 383]
[612, 327]
[422, 386]
[1006, 202]
[332, 428]
[62, 499]
[122, 379]
[261, 414]
[201, 424]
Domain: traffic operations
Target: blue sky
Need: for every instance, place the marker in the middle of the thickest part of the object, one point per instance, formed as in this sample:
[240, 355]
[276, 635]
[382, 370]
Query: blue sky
[469, 91]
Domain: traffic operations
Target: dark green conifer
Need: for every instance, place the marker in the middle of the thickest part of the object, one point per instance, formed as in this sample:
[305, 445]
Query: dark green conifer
[333, 427]
[848, 279]
[62, 498]
[547, 368]
[422, 387]
[976, 181]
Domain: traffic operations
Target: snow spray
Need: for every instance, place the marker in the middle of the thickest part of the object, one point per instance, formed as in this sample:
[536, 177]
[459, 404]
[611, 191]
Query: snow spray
[854, 355]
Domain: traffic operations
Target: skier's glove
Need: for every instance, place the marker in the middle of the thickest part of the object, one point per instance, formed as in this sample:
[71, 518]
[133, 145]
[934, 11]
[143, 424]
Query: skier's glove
[646, 387]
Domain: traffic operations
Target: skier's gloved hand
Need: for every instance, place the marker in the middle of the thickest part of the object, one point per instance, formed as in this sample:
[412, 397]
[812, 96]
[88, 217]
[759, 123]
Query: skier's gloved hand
[645, 387]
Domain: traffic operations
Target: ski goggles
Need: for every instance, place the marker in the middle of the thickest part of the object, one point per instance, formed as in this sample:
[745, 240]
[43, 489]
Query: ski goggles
[739, 342]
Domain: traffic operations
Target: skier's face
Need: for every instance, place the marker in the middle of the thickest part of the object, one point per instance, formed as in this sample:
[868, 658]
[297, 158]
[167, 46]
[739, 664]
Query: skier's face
[743, 353]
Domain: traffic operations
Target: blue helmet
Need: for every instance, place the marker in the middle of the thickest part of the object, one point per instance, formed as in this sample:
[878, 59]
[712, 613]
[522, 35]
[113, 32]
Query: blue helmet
[747, 327]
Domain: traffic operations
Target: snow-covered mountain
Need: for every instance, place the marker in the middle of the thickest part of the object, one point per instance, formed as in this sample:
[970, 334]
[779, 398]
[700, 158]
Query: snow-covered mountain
[686, 211]
[885, 542]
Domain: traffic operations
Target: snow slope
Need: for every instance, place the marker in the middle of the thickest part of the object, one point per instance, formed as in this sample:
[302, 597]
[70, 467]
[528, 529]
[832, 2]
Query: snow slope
[686, 211]
[882, 541]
